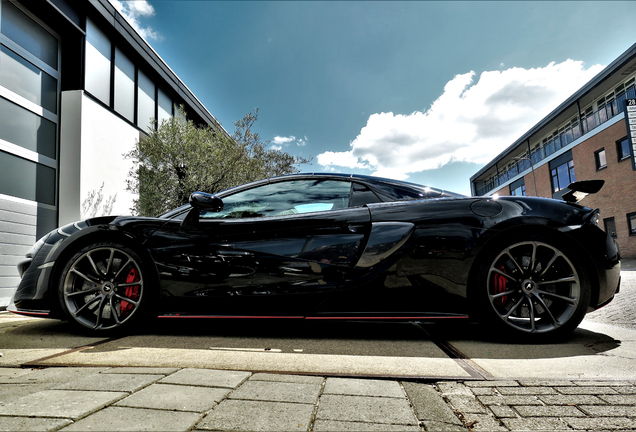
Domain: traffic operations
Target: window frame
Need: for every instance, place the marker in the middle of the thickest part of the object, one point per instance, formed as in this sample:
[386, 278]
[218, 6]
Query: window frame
[631, 227]
[614, 234]
[597, 159]
[619, 149]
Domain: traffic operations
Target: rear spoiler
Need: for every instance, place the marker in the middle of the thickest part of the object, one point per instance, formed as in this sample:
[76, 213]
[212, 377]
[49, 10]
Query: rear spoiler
[581, 189]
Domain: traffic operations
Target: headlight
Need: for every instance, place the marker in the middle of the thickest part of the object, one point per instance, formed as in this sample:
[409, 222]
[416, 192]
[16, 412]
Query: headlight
[37, 246]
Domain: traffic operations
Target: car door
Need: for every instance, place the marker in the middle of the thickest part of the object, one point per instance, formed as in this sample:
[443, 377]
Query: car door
[274, 250]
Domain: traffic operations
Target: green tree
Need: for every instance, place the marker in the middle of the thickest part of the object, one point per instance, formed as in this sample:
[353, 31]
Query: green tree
[179, 158]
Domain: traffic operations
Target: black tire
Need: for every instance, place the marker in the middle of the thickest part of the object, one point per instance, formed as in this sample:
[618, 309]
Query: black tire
[104, 288]
[532, 288]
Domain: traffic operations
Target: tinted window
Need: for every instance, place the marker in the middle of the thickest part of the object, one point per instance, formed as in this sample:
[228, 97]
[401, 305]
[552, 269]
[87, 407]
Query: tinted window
[284, 198]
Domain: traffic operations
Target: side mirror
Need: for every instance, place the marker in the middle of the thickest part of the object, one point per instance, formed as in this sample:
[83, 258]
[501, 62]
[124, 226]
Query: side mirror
[200, 201]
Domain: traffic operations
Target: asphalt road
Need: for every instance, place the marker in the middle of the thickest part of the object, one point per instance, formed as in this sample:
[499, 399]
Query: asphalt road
[604, 347]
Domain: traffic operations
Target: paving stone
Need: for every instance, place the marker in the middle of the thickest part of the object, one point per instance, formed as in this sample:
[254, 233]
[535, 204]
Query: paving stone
[619, 399]
[600, 423]
[466, 404]
[175, 397]
[535, 424]
[449, 388]
[110, 382]
[31, 424]
[549, 411]
[587, 390]
[545, 383]
[366, 409]
[12, 373]
[428, 404]
[625, 390]
[52, 375]
[571, 400]
[363, 387]
[483, 422]
[517, 391]
[509, 400]
[491, 383]
[278, 392]
[503, 411]
[335, 426]
[484, 391]
[11, 392]
[207, 378]
[141, 370]
[133, 419]
[60, 403]
[609, 411]
[431, 425]
[300, 379]
[242, 415]
[603, 383]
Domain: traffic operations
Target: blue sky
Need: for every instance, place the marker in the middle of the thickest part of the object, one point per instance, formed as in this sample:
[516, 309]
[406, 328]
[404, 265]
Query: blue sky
[424, 91]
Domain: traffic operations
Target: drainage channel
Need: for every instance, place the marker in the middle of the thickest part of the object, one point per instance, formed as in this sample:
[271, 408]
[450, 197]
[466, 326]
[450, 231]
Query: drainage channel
[466, 363]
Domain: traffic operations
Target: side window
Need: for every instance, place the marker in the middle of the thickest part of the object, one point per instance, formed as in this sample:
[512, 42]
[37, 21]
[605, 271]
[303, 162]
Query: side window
[285, 198]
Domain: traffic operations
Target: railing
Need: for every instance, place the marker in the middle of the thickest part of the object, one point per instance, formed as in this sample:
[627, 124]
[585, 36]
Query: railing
[589, 121]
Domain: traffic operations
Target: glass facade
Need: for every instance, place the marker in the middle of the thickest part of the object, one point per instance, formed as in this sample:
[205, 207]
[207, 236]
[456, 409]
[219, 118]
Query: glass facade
[29, 80]
[124, 86]
[24, 128]
[145, 101]
[26, 179]
[98, 53]
[135, 96]
[21, 29]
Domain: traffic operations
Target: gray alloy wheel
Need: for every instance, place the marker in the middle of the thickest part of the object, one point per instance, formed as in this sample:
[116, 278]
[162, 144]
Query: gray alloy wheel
[103, 287]
[534, 288]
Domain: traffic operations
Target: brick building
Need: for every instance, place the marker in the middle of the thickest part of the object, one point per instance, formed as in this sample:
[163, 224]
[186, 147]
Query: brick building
[586, 137]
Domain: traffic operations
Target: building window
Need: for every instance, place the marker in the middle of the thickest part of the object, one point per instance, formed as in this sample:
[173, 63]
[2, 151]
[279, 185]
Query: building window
[145, 101]
[631, 223]
[27, 129]
[562, 176]
[124, 86]
[28, 34]
[27, 80]
[610, 226]
[600, 158]
[518, 188]
[164, 106]
[26, 179]
[622, 148]
[98, 53]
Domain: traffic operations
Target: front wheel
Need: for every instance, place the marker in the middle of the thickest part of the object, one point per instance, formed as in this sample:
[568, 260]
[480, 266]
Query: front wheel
[534, 289]
[104, 288]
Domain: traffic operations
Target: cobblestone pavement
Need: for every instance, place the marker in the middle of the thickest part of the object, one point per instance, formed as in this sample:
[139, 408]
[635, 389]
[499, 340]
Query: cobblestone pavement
[105, 399]
[542, 405]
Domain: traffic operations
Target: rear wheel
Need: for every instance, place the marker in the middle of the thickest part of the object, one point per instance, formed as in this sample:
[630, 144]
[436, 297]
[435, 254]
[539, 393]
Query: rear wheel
[534, 289]
[104, 287]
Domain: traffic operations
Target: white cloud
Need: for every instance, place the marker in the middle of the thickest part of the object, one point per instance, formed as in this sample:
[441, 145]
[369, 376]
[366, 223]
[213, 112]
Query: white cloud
[470, 121]
[275, 147]
[132, 11]
[284, 140]
[302, 142]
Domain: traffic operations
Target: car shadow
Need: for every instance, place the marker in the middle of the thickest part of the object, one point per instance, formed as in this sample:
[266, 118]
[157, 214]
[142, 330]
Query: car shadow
[324, 337]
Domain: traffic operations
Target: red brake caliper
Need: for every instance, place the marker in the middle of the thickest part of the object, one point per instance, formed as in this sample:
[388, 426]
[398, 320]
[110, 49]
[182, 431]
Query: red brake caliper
[501, 283]
[132, 292]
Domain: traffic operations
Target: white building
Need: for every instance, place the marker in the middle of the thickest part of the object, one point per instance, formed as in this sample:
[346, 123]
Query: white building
[78, 88]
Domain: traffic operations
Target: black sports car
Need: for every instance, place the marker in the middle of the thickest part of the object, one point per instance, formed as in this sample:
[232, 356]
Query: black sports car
[329, 246]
